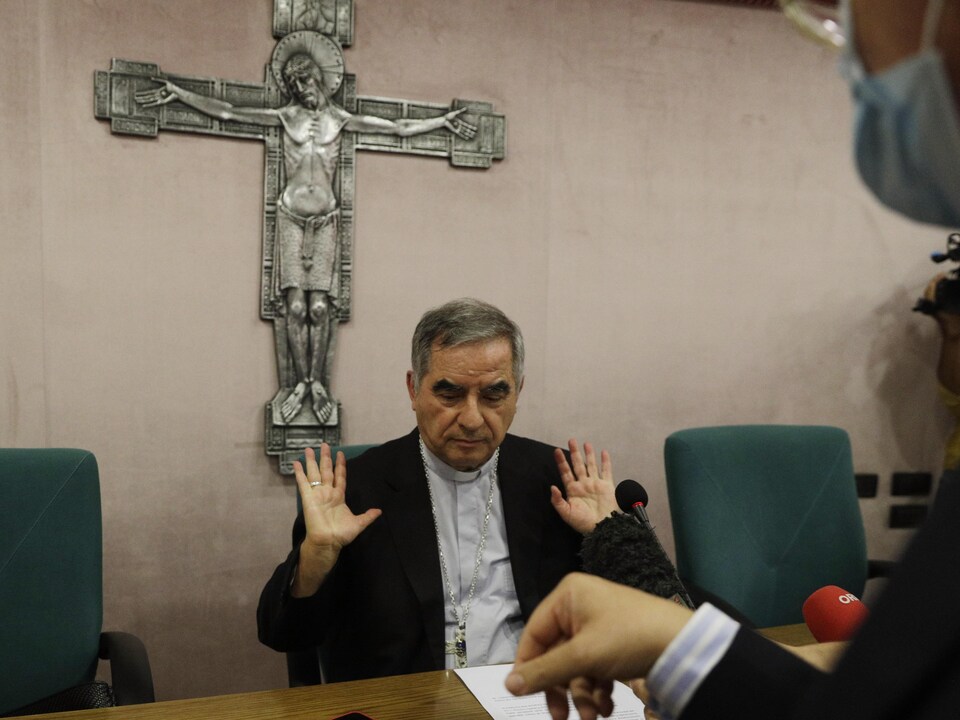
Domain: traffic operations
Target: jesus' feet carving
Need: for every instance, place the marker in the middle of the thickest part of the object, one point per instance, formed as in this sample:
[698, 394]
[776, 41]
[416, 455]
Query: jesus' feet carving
[291, 406]
[323, 404]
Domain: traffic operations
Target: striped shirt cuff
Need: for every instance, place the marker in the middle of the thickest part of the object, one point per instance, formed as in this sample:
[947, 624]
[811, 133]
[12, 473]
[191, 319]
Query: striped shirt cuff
[687, 660]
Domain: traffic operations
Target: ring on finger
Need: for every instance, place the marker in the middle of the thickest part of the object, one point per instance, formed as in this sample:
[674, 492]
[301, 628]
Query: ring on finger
[315, 483]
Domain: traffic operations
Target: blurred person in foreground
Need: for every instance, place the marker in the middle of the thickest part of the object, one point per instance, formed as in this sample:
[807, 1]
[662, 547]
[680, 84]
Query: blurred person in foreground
[902, 60]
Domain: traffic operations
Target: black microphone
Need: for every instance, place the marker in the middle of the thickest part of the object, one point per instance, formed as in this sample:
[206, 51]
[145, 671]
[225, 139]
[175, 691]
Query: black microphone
[632, 499]
[625, 549]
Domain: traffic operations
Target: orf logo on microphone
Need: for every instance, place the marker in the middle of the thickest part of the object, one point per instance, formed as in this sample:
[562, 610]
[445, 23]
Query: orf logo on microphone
[832, 613]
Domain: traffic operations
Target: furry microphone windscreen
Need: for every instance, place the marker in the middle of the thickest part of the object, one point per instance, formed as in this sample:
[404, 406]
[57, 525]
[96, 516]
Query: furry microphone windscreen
[624, 551]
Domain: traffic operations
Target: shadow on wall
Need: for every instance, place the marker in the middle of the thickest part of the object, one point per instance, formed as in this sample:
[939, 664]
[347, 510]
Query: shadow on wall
[902, 364]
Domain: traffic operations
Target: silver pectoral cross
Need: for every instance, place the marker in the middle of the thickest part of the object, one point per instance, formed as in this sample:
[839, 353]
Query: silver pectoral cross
[458, 646]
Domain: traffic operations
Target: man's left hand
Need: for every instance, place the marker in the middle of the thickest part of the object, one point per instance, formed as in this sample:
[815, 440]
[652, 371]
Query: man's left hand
[589, 488]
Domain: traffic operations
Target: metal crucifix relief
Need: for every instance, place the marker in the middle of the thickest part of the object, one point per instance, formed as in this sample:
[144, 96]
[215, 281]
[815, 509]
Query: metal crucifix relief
[308, 114]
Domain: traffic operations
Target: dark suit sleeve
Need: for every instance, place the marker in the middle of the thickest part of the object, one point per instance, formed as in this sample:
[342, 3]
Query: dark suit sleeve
[755, 679]
[287, 623]
[903, 663]
[543, 548]
[905, 660]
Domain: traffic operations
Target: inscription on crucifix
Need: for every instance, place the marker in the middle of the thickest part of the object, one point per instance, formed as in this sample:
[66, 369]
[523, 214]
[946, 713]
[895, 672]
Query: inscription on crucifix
[311, 120]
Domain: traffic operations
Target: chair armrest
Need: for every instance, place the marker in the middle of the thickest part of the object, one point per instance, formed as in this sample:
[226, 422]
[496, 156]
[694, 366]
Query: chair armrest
[879, 568]
[700, 595]
[130, 673]
[303, 668]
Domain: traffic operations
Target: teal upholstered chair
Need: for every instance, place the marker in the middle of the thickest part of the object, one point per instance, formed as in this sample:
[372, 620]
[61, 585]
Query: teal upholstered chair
[305, 667]
[51, 593]
[763, 515]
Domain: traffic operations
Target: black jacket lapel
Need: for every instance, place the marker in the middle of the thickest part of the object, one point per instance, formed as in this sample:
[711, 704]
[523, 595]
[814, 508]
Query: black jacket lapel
[406, 509]
[524, 498]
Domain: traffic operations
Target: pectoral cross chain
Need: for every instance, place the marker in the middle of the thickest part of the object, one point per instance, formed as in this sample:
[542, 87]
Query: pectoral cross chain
[458, 646]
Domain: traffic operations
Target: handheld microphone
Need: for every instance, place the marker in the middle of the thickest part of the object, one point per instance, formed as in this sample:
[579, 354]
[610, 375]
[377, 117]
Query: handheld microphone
[625, 549]
[831, 613]
[632, 499]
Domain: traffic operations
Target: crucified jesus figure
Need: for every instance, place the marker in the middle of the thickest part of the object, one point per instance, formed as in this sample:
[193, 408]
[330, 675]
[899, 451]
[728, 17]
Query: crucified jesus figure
[308, 209]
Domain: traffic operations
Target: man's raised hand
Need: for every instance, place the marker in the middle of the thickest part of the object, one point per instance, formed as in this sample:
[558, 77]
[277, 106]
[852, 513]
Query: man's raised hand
[589, 488]
[330, 524]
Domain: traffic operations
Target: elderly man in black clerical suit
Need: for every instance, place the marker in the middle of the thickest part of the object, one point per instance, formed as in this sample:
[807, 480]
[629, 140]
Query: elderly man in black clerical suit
[436, 552]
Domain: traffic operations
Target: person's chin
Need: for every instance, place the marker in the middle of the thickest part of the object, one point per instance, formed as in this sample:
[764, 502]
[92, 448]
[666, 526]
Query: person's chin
[469, 455]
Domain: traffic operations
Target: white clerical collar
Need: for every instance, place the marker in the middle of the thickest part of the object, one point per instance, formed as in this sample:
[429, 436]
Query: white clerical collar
[438, 467]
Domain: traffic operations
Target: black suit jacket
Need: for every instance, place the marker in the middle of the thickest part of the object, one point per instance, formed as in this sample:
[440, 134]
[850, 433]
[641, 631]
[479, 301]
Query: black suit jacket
[903, 663]
[380, 611]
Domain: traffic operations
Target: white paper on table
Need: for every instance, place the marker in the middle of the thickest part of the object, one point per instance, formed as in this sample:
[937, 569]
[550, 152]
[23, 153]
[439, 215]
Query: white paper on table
[486, 684]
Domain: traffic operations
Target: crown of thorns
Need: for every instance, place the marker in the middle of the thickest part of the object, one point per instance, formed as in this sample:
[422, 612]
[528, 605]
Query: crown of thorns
[324, 51]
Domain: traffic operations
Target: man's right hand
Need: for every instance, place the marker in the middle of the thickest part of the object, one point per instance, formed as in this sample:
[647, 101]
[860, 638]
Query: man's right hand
[586, 633]
[330, 523]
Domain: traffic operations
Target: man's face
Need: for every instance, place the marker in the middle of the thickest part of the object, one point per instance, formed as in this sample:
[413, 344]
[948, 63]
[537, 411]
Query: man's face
[466, 401]
[306, 88]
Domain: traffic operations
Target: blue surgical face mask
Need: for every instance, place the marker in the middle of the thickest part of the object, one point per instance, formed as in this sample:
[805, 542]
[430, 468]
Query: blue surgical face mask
[906, 129]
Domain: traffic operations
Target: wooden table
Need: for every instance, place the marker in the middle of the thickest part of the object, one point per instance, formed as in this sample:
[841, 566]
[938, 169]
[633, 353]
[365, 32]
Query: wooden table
[438, 695]
[422, 696]
[790, 634]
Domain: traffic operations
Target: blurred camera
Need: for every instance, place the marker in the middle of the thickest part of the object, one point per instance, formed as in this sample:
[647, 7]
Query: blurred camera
[947, 293]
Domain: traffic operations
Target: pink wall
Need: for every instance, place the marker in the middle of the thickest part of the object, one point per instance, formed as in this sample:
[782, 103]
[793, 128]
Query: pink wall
[677, 228]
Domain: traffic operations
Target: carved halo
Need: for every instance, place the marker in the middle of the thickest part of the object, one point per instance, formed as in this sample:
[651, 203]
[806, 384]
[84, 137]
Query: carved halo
[326, 53]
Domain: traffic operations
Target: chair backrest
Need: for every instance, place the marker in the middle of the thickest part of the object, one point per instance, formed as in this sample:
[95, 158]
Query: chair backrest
[351, 451]
[763, 515]
[306, 667]
[51, 588]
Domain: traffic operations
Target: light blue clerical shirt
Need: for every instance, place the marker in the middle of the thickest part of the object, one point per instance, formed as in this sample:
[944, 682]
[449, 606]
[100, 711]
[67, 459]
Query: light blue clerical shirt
[494, 623]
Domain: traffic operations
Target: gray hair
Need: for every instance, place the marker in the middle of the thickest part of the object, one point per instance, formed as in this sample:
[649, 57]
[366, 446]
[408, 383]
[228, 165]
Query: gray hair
[461, 322]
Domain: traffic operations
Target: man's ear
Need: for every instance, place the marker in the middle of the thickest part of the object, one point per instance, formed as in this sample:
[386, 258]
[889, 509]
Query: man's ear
[520, 386]
[410, 391]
